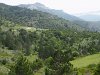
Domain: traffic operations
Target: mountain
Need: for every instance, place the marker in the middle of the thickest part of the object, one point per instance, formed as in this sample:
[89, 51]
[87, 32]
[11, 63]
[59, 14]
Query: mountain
[39, 19]
[37, 6]
[91, 20]
[34, 18]
[90, 25]
[43, 8]
[90, 16]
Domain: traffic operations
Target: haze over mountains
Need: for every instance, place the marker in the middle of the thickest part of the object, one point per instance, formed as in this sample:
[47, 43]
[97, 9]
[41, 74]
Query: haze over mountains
[90, 16]
[43, 8]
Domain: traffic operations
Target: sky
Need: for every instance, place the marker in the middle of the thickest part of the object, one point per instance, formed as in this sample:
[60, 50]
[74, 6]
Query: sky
[69, 6]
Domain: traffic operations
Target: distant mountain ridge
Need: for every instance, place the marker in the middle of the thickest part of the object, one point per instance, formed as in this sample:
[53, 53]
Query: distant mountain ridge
[43, 8]
[90, 16]
[38, 19]
[92, 20]
[94, 26]
[33, 6]
[34, 18]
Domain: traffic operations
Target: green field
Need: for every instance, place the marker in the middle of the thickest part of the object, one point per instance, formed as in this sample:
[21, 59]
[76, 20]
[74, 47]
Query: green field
[85, 61]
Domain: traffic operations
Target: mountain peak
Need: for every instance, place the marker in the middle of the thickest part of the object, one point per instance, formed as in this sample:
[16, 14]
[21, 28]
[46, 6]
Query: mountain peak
[2, 4]
[33, 6]
[38, 4]
[43, 8]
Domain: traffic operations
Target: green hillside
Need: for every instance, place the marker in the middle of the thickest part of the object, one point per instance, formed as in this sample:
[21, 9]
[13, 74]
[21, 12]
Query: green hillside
[35, 43]
[34, 18]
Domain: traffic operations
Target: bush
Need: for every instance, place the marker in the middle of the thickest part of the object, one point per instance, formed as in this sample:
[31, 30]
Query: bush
[3, 61]
[22, 67]
[37, 64]
[97, 71]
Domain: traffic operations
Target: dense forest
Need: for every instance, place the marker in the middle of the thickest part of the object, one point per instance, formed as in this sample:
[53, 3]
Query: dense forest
[34, 18]
[38, 43]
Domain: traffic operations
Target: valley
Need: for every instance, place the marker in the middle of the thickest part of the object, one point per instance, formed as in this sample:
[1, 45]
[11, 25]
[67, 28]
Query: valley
[47, 42]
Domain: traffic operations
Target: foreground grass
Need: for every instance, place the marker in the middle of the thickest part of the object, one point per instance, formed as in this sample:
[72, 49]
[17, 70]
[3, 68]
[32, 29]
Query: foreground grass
[85, 61]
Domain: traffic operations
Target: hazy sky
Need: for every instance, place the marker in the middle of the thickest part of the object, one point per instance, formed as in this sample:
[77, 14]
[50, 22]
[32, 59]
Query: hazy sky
[69, 6]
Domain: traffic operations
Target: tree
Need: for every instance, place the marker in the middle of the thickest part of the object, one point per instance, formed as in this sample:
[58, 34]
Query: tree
[22, 67]
[37, 64]
[97, 72]
[59, 64]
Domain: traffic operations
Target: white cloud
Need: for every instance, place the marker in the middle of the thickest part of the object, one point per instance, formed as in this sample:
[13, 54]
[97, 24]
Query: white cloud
[17, 2]
[70, 6]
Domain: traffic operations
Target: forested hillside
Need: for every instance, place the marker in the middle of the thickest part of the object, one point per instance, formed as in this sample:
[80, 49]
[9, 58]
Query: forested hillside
[38, 43]
[34, 18]
[51, 50]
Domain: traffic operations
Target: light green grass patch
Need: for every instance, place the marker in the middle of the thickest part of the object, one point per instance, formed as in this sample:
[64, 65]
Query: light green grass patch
[5, 53]
[25, 27]
[32, 58]
[85, 61]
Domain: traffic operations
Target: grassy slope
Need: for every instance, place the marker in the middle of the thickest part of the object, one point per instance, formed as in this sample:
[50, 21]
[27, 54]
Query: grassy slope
[85, 61]
[81, 63]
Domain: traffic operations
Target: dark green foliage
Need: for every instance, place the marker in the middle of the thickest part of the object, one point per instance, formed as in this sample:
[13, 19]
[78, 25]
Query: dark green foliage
[36, 65]
[97, 71]
[48, 42]
[48, 71]
[4, 61]
[22, 67]
[59, 65]
[12, 70]
[55, 46]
